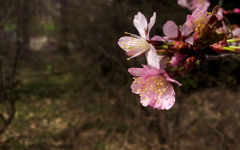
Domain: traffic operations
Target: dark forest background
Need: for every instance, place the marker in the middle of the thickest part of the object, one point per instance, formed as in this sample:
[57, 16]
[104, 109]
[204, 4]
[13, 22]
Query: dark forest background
[64, 83]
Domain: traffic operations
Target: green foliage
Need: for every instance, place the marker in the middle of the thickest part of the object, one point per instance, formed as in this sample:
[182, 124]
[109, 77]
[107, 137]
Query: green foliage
[10, 27]
[43, 29]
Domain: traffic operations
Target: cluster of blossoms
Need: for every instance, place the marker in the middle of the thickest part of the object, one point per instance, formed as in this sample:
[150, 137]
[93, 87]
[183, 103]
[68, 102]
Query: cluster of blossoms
[179, 51]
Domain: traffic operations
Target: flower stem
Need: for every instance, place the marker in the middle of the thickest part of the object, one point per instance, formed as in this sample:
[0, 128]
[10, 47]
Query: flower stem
[235, 47]
[229, 49]
[177, 69]
[168, 43]
[162, 47]
[232, 40]
[161, 53]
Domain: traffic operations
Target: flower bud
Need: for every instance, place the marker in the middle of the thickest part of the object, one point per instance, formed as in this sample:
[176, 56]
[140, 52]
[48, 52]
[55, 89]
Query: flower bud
[190, 63]
[182, 47]
[217, 48]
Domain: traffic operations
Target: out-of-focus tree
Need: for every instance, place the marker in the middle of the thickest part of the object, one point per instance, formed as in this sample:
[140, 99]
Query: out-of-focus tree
[64, 25]
[15, 19]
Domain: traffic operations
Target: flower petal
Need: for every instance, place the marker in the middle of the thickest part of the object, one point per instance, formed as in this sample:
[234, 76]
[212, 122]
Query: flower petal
[158, 38]
[189, 40]
[136, 71]
[133, 46]
[236, 32]
[199, 4]
[136, 85]
[153, 72]
[153, 59]
[171, 80]
[151, 23]
[200, 12]
[140, 22]
[166, 100]
[123, 42]
[144, 100]
[176, 59]
[185, 31]
[170, 29]
[184, 3]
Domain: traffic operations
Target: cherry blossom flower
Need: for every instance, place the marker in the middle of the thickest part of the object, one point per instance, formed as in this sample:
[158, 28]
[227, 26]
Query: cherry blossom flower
[154, 87]
[193, 4]
[135, 45]
[197, 19]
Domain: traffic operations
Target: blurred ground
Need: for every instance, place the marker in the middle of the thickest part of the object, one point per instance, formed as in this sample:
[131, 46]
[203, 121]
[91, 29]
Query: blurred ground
[63, 111]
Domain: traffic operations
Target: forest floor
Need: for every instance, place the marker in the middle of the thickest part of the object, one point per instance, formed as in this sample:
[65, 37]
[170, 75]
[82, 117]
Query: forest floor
[51, 113]
[56, 112]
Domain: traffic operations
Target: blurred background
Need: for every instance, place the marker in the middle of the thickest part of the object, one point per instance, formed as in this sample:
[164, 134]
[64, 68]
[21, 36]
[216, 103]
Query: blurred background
[64, 83]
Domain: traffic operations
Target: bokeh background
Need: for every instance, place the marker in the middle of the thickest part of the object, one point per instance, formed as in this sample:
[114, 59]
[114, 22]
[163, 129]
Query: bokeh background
[64, 83]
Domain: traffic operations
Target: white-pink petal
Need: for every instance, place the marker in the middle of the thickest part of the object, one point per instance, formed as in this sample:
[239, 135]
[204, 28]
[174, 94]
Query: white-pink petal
[140, 22]
[133, 46]
[154, 60]
[150, 25]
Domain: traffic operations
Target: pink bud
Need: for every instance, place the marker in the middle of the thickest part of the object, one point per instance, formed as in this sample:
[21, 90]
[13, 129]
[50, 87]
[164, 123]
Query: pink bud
[236, 11]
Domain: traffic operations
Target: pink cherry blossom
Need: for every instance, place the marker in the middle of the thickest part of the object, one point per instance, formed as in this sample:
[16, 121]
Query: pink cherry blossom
[193, 4]
[236, 11]
[198, 18]
[135, 45]
[208, 28]
[154, 87]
